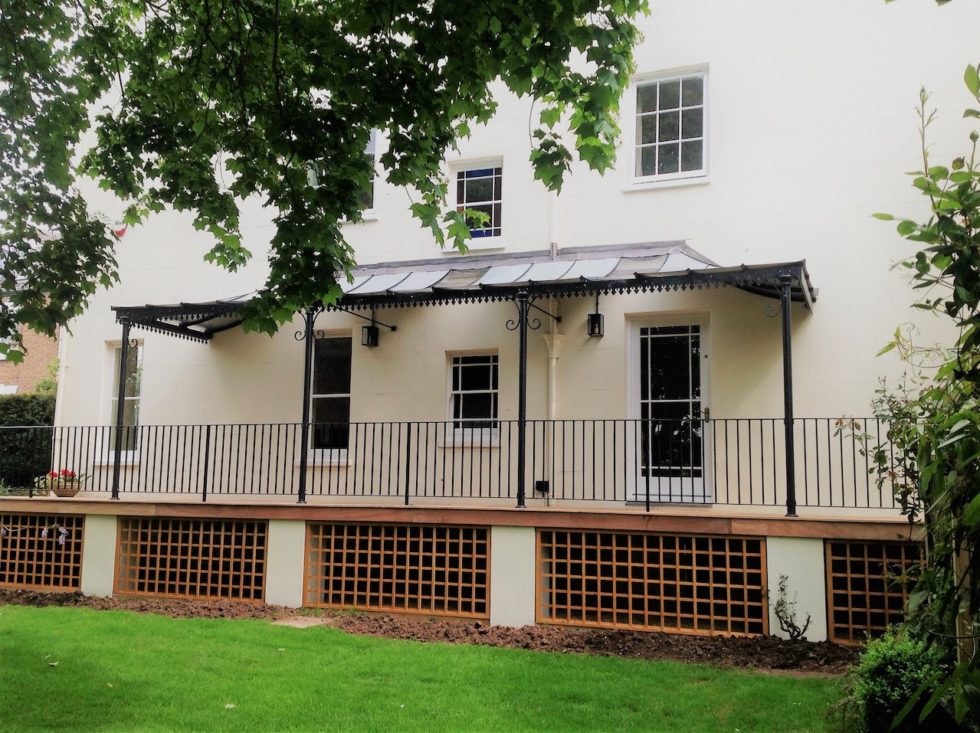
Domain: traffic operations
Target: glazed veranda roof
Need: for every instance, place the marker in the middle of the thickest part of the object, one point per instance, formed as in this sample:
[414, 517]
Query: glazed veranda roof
[567, 272]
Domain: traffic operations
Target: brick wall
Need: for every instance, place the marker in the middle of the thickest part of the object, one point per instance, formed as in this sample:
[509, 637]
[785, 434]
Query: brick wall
[41, 351]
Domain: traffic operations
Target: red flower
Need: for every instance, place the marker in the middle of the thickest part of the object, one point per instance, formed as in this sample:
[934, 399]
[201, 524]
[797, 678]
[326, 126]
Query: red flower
[53, 474]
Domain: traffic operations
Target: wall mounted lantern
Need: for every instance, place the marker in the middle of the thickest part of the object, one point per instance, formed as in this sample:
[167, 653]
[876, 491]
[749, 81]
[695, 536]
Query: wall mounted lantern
[595, 324]
[370, 335]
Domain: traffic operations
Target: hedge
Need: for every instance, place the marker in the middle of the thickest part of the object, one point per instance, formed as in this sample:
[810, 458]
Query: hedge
[25, 452]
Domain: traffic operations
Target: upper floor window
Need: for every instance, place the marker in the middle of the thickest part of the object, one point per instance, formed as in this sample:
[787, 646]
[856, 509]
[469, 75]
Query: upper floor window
[370, 155]
[670, 127]
[330, 393]
[480, 189]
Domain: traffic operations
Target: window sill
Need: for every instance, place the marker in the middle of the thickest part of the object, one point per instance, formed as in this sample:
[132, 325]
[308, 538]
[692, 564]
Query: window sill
[128, 459]
[635, 186]
[486, 442]
[482, 244]
[325, 461]
[366, 216]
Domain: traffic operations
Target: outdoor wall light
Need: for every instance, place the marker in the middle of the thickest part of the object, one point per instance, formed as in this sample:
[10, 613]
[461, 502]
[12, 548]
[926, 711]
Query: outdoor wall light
[370, 335]
[595, 325]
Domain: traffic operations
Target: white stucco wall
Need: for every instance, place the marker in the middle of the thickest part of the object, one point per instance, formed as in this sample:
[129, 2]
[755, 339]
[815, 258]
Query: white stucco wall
[99, 554]
[801, 561]
[810, 130]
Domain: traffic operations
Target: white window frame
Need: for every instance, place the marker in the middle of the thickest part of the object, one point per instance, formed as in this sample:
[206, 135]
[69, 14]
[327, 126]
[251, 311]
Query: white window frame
[680, 178]
[371, 213]
[686, 487]
[329, 456]
[469, 437]
[476, 243]
[114, 352]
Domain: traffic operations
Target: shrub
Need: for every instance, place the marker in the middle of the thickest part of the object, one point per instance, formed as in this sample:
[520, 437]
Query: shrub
[24, 453]
[891, 670]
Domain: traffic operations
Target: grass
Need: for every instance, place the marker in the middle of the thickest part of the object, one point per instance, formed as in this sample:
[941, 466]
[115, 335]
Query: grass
[75, 669]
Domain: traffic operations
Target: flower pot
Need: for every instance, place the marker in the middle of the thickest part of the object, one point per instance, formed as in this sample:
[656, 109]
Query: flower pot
[64, 487]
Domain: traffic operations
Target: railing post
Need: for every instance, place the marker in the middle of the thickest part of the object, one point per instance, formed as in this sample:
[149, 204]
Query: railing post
[309, 318]
[785, 283]
[207, 461]
[408, 460]
[523, 306]
[120, 406]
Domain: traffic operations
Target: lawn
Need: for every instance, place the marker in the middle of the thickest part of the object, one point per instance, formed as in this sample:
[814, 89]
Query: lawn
[75, 669]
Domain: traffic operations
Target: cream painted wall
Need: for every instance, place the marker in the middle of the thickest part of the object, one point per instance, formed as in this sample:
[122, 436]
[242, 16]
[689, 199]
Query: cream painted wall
[810, 129]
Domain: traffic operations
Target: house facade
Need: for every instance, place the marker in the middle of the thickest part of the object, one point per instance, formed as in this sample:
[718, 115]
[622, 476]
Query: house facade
[635, 404]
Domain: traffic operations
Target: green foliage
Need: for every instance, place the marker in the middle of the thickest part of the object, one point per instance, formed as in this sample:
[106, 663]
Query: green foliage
[25, 452]
[205, 104]
[893, 668]
[933, 459]
[49, 385]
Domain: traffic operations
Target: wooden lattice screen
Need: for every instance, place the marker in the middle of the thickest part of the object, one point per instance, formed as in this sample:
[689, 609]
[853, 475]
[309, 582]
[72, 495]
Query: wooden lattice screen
[432, 570]
[867, 586]
[192, 558]
[652, 582]
[41, 551]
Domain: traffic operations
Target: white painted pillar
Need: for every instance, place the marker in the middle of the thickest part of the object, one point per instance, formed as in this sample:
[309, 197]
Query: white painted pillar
[512, 576]
[285, 562]
[99, 554]
[801, 560]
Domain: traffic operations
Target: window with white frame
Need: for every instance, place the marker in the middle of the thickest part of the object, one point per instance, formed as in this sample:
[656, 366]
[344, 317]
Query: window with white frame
[670, 127]
[481, 189]
[370, 155]
[133, 378]
[473, 399]
[330, 393]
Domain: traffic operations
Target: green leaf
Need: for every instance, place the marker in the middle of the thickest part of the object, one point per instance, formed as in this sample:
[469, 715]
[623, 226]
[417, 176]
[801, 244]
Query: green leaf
[883, 217]
[972, 79]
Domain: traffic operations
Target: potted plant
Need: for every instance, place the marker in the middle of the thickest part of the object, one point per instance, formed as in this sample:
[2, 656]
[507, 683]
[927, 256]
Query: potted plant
[61, 483]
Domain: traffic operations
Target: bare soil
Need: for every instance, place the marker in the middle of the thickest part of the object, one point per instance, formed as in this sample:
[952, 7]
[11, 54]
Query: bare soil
[764, 653]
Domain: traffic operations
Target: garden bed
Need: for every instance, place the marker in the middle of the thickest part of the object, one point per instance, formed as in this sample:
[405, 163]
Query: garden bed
[768, 653]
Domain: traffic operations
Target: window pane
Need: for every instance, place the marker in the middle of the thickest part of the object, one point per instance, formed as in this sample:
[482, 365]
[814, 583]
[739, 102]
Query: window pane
[472, 222]
[331, 422]
[331, 366]
[476, 408]
[692, 155]
[480, 189]
[476, 377]
[646, 161]
[693, 91]
[673, 440]
[670, 95]
[692, 123]
[134, 372]
[669, 368]
[696, 368]
[669, 126]
[646, 128]
[646, 98]
[667, 162]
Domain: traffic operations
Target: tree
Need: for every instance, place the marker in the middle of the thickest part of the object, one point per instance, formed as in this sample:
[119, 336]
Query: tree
[934, 456]
[199, 104]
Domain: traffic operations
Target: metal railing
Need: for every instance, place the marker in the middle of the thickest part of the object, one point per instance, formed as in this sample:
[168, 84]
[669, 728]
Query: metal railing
[737, 461]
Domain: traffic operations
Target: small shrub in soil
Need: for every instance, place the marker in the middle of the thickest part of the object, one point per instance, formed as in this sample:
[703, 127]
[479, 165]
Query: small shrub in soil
[891, 669]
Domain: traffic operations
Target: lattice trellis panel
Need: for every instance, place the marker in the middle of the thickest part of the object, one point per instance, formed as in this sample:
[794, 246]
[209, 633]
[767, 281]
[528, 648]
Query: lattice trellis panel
[41, 551]
[652, 582]
[192, 558]
[432, 570]
[867, 586]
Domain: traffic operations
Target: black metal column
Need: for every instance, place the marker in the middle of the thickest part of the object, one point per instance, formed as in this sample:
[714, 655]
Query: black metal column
[120, 407]
[309, 318]
[785, 283]
[523, 306]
